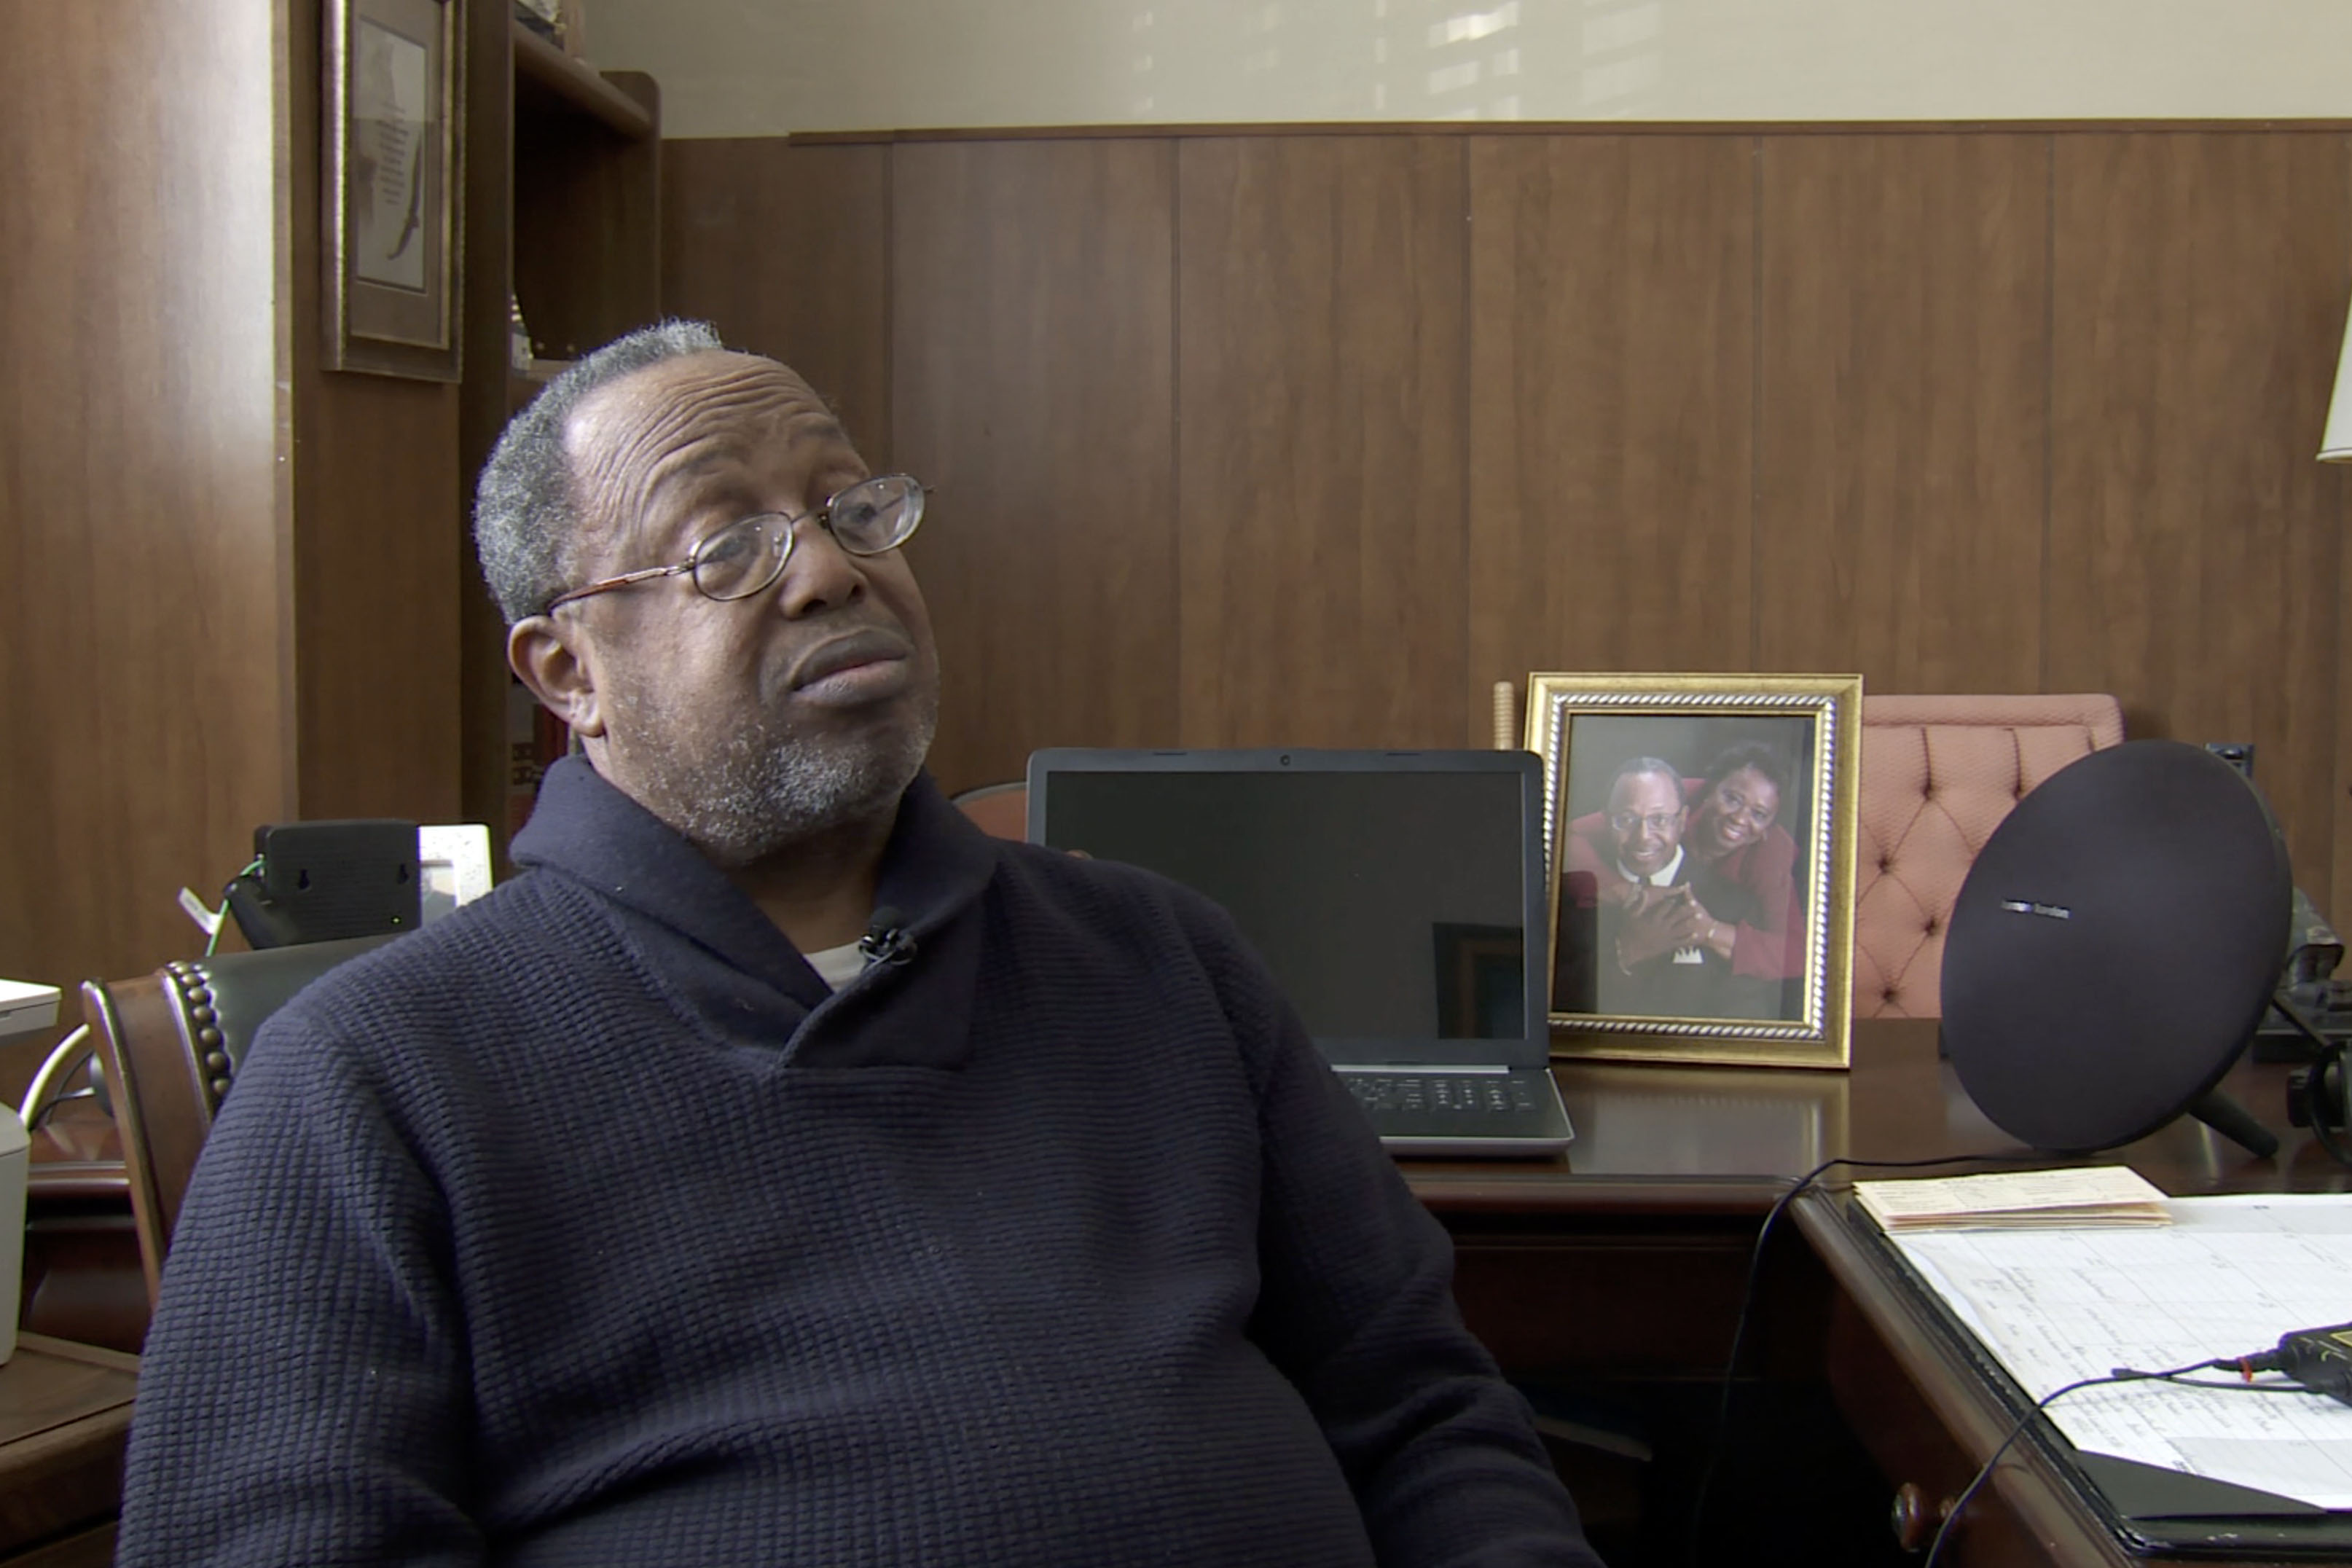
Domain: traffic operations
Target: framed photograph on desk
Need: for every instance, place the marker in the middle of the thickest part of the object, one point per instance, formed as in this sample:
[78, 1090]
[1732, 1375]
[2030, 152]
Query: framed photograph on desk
[393, 163]
[1701, 834]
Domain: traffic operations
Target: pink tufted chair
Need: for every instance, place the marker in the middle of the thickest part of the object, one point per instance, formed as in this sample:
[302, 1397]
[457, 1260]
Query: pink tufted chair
[999, 810]
[1937, 776]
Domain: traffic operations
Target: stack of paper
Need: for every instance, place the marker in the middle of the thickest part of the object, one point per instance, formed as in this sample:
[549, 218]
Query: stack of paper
[2227, 1275]
[2101, 1196]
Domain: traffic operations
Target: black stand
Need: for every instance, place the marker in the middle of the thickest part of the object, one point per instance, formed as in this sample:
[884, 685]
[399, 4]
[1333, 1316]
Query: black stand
[2235, 1122]
[2316, 1095]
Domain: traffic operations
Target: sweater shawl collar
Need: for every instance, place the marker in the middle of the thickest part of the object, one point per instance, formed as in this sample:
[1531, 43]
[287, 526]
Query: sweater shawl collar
[724, 957]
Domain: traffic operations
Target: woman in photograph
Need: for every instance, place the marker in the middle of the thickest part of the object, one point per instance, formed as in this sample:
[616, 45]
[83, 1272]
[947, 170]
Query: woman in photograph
[1743, 881]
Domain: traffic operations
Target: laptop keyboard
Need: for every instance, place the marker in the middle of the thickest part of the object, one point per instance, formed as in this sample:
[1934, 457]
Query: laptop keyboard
[1475, 1092]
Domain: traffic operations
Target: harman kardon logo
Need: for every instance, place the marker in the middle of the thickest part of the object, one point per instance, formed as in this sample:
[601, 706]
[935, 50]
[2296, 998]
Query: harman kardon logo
[2028, 907]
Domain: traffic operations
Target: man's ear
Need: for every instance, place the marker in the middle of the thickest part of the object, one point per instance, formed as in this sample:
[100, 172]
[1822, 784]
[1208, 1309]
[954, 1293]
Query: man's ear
[556, 660]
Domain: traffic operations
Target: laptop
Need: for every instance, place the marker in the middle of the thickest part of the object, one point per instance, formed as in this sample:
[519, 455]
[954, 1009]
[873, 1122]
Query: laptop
[1398, 897]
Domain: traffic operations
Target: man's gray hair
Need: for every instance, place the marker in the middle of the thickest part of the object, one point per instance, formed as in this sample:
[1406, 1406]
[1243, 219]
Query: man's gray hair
[526, 520]
[1639, 765]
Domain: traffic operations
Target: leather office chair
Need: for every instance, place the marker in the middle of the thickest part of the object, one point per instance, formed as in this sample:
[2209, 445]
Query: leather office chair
[1939, 775]
[170, 1043]
[999, 810]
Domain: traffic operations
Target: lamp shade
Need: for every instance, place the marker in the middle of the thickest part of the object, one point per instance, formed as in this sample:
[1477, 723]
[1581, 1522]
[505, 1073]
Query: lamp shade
[2335, 443]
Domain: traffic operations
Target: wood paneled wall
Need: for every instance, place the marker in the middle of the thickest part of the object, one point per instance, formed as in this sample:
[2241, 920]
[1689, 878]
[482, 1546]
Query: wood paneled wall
[1321, 566]
[226, 573]
[1062, 462]
[1295, 438]
[143, 640]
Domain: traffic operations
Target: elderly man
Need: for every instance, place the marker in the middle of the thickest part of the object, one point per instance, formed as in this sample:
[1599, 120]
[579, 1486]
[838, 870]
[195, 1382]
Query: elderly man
[1625, 910]
[1645, 820]
[782, 1171]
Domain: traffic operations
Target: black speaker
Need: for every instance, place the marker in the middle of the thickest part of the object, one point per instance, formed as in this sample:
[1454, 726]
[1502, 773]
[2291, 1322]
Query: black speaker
[2114, 947]
[321, 881]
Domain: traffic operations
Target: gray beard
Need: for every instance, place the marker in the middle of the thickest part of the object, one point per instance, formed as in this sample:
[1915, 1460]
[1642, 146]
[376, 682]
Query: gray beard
[761, 793]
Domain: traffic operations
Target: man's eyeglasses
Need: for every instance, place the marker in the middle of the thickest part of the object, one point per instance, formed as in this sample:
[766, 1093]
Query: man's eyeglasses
[870, 518]
[1656, 821]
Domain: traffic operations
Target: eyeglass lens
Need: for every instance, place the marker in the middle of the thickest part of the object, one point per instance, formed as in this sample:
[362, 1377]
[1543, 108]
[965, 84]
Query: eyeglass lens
[868, 518]
[1656, 822]
[1731, 802]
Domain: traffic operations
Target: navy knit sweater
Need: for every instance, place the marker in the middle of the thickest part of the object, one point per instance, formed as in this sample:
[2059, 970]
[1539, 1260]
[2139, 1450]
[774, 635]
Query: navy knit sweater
[587, 1227]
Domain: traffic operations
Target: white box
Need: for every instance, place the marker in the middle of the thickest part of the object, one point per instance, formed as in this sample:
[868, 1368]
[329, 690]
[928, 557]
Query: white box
[25, 1006]
[453, 867]
[16, 1159]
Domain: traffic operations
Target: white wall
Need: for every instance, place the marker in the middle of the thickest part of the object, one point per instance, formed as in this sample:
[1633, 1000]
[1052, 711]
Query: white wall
[763, 67]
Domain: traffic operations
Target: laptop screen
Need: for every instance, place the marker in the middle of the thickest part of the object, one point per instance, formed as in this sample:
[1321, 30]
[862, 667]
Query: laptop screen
[1393, 895]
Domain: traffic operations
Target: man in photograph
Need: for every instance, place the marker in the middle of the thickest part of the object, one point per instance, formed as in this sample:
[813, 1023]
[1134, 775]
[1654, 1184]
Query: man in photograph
[1619, 914]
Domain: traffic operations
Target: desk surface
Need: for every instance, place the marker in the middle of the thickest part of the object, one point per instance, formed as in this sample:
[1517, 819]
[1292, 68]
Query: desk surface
[1716, 1139]
[65, 1415]
[1728, 1139]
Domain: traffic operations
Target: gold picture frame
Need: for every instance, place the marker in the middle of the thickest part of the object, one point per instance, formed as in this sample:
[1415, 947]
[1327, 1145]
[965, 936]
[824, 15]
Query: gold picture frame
[394, 164]
[1700, 839]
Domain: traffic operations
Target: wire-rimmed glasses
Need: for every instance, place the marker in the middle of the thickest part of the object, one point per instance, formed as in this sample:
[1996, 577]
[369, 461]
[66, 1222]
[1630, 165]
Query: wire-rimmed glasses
[870, 518]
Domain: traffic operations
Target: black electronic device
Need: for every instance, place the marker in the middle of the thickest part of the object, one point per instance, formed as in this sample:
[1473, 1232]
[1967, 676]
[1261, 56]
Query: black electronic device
[2239, 754]
[2319, 1359]
[2315, 948]
[2113, 947]
[2312, 1003]
[2319, 1096]
[320, 881]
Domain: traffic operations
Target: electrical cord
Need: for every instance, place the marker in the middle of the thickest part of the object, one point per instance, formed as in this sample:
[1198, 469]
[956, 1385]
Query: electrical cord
[59, 1065]
[2245, 1366]
[220, 916]
[1715, 1440]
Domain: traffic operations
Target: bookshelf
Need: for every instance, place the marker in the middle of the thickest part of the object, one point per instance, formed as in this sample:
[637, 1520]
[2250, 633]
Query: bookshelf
[579, 88]
[563, 195]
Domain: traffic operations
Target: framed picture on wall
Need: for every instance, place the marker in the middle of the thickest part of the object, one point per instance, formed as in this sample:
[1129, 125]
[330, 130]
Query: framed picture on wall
[1701, 835]
[394, 166]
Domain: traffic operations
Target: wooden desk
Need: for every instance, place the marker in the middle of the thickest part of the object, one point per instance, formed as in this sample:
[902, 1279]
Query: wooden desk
[1623, 1266]
[1625, 1263]
[65, 1415]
